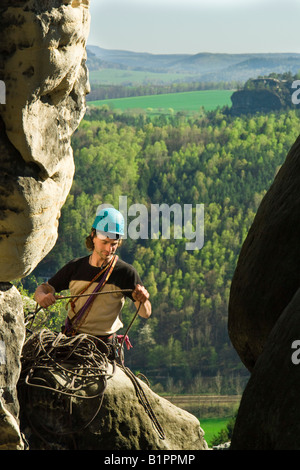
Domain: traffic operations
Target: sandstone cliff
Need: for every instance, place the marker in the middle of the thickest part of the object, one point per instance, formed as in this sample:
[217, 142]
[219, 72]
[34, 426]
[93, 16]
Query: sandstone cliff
[263, 321]
[267, 272]
[269, 409]
[255, 101]
[42, 63]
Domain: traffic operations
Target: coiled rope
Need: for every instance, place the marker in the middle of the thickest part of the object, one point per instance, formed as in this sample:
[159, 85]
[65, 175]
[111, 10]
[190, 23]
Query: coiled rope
[70, 365]
[45, 350]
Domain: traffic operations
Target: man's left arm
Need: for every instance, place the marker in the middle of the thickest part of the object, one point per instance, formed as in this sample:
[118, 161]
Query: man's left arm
[140, 296]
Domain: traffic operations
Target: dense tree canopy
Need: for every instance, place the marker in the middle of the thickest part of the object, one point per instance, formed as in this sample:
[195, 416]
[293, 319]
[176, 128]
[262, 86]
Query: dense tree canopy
[225, 163]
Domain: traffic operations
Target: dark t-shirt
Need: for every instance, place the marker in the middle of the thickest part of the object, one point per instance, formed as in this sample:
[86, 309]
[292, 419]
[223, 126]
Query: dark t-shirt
[104, 315]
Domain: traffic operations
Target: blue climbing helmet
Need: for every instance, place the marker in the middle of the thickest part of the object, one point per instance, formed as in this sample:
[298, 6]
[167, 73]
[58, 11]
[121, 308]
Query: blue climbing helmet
[109, 222]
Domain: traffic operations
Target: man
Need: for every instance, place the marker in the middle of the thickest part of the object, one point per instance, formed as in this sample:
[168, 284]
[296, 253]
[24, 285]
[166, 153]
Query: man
[102, 271]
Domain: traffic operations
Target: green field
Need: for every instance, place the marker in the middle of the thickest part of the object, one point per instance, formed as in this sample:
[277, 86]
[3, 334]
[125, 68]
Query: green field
[212, 427]
[171, 103]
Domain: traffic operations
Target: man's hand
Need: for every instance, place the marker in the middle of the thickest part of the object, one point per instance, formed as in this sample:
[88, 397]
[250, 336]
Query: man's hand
[141, 297]
[140, 294]
[45, 300]
[44, 295]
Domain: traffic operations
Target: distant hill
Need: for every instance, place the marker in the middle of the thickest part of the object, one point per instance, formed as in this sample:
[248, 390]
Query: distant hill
[136, 60]
[202, 67]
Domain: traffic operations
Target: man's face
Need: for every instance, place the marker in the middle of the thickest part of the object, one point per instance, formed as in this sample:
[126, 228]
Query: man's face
[105, 247]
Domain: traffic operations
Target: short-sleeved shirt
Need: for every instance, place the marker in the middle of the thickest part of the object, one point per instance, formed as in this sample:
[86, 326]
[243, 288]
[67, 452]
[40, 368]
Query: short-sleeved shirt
[104, 315]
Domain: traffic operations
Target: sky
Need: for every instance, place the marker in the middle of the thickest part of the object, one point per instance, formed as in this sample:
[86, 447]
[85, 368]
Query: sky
[193, 26]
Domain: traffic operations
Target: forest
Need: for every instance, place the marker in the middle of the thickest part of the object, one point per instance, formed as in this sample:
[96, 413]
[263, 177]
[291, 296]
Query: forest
[225, 163]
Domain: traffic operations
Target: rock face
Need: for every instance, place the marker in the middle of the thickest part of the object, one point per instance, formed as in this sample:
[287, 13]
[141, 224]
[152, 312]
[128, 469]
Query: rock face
[267, 272]
[12, 333]
[253, 101]
[42, 63]
[125, 425]
[269, 413]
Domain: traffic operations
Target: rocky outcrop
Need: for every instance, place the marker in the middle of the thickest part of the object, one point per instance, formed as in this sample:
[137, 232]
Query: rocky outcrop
[12, 333]
[124, 423]
[42, 63]
[255, 101]
[267, 273]
[42, 67]
[264, 312]
[268, 415]
[65, 406]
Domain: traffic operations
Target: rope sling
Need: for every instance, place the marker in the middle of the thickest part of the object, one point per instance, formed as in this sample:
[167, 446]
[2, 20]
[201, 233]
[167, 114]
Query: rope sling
[74, 324]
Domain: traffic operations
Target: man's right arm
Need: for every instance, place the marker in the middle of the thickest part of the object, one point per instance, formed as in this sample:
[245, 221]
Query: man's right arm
[45, 295]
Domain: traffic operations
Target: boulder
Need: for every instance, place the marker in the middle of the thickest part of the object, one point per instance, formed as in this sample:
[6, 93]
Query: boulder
[114, 410]
[124, 424]
[268, 414]
[42, 64]
[267, 273]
